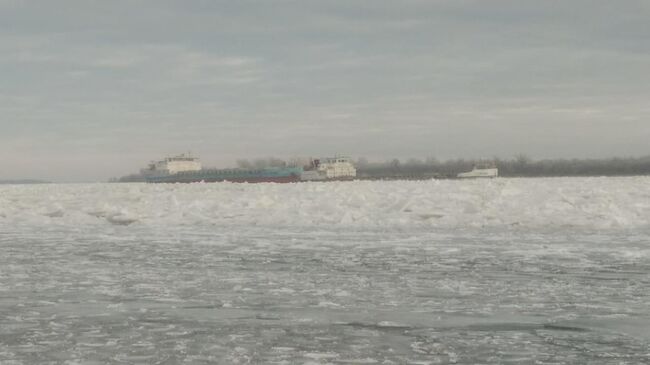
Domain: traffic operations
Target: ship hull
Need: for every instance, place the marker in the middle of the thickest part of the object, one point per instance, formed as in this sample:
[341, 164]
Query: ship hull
[285, 179]
[270, 175]
[329, 179]
[252, 180]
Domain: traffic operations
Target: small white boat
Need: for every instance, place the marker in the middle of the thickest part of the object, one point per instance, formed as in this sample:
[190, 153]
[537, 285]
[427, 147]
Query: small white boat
[479, 172]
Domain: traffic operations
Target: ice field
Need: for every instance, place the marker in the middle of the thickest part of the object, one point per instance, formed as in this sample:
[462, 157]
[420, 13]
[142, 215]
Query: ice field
[503, 271]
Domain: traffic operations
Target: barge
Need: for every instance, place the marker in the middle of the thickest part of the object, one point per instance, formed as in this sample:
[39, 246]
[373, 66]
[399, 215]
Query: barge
[188, 169]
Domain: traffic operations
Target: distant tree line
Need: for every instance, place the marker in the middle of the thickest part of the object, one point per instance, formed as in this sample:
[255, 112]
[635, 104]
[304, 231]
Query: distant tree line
[519, 166]
[261, 163]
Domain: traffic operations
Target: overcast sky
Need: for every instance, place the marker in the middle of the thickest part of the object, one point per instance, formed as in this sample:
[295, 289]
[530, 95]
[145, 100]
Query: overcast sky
[95, 89]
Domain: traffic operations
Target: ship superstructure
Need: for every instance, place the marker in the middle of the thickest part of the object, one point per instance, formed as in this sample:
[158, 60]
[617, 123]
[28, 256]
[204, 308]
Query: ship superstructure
[173, 165]
[330, 168]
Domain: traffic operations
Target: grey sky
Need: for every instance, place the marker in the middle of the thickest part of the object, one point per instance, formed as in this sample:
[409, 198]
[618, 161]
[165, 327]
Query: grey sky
[94, 89]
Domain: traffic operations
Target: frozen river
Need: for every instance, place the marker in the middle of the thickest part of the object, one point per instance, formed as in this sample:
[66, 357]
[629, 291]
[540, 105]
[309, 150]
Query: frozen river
[520, 271]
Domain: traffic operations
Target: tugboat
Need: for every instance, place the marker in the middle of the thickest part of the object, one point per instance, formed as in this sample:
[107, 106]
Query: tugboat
[330, 168]
[188, 169]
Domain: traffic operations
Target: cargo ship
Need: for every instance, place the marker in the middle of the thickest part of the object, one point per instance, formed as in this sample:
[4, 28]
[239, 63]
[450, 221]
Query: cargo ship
[188, 169]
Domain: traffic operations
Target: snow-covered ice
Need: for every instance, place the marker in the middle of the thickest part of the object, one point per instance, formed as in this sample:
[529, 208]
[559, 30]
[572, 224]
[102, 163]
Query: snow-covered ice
[500, 271]
[592, 203]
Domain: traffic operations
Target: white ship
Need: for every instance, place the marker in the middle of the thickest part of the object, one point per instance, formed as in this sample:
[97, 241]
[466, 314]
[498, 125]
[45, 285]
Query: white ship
[172, 165]
[480, 172]
[331, 168]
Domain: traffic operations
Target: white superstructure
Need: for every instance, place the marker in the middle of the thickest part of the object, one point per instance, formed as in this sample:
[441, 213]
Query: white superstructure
[480, 172]
[330, 168]
[173, 165]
